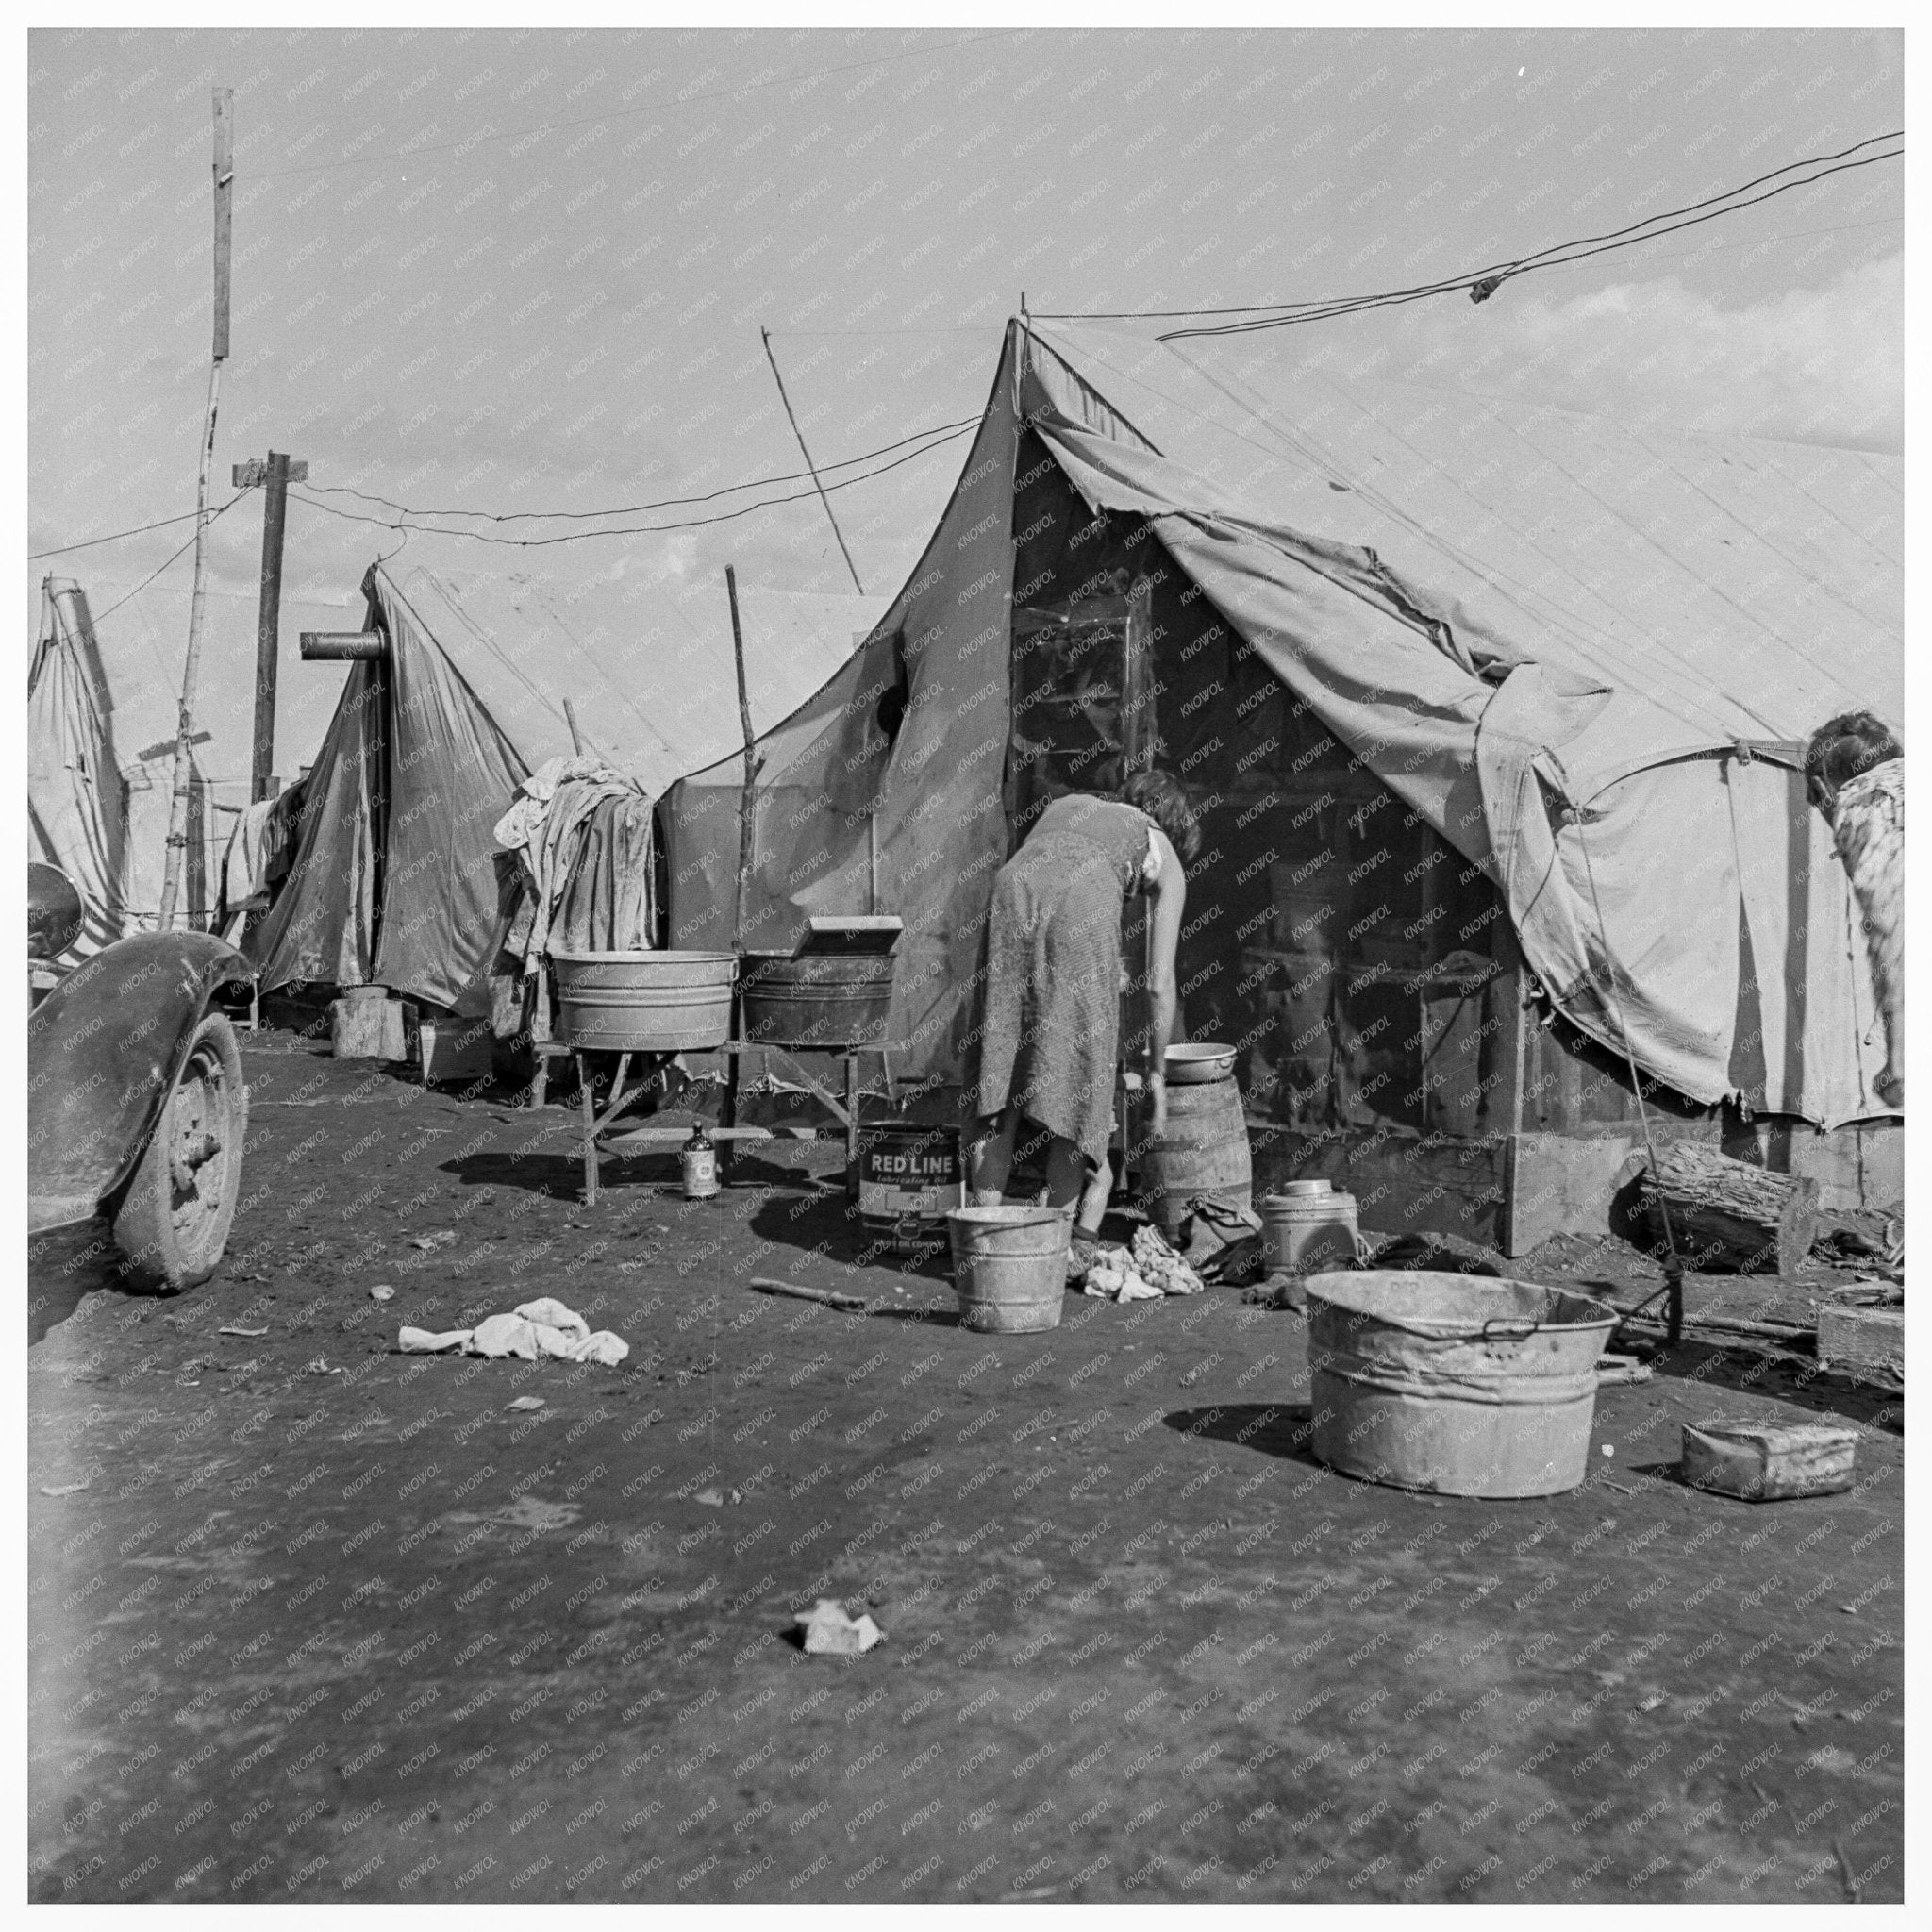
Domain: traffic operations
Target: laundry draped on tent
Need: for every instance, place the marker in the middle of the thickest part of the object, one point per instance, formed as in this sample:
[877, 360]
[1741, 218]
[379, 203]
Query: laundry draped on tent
[578, 837]
[1584, 655]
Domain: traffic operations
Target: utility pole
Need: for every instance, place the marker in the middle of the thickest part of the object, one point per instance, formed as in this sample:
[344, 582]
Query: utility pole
[276, 474]
[184, 730]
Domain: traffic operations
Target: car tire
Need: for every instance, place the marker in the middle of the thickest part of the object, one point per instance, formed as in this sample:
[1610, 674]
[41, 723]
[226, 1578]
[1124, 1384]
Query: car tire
[172, 1222]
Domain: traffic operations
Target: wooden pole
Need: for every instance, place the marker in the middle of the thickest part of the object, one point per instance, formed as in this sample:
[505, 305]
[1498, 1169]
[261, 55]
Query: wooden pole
[744, 825]
[809, 464]
[184, 728]
[268, 638]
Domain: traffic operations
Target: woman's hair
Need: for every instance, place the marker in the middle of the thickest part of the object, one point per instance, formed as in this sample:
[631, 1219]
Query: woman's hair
[1164, 802]
[1848, 746]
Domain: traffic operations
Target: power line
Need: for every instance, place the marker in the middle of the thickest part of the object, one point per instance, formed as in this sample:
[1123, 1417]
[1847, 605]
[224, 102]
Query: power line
[214, 516]
[634, 530]
[729, 93]
[113, 536]
[1584, 245]
[1483, 284]
[644, 508]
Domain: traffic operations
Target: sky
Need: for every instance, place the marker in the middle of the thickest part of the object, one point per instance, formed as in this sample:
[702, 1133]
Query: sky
[505, 272]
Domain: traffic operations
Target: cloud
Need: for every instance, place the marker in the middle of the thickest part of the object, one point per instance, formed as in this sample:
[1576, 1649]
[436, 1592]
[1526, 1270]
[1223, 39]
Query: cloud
[1814, 365]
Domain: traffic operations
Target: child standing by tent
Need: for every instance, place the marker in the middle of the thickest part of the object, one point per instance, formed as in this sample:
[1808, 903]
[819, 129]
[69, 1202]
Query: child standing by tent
[1856, 770]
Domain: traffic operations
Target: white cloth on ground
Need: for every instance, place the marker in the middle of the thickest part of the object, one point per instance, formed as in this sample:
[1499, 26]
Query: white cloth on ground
[538, 1329]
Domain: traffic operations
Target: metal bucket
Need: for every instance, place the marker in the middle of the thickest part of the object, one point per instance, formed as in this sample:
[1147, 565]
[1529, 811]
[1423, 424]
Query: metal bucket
[1309, 1226]
[1454, 1383]
[823, 1000]
[909, 1176]
[645, 1002]
[1009, 1267]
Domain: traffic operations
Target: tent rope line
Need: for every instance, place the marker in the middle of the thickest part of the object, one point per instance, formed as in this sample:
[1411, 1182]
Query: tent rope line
[1757, 537]
[1674, 1268]
[1673, 564]
[1695, 695]
[1304, 443]
[489, 644]
[1319, 457]
[1620, 624]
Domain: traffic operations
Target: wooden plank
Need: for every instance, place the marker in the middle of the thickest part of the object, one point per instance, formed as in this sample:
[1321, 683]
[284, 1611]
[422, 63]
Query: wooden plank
[1862, 1339]
[1560, 1184]
[225, 212]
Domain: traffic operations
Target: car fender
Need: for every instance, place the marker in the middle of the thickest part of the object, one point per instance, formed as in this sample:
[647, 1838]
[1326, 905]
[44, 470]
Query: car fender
[103, 1049]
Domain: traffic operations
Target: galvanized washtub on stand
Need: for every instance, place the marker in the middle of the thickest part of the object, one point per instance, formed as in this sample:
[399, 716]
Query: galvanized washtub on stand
[1455, 1383]
[645, 1002]
[826, 1001]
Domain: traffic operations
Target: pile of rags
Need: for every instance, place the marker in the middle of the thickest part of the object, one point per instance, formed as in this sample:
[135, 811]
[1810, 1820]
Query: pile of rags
[1144, 1271]
[538, 1329]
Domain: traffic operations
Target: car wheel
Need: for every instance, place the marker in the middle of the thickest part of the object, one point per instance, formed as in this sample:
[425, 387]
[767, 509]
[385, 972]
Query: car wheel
[172, 1225]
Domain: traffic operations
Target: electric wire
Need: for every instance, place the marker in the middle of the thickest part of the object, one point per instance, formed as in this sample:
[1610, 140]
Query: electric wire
[634, 530]
[113, 536]
[213, 516]
[1497, 273]
[662, 502]
[1651, 227]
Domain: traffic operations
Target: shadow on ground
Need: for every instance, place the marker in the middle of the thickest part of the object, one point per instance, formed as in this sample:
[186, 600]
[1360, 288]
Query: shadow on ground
[1277, 1429]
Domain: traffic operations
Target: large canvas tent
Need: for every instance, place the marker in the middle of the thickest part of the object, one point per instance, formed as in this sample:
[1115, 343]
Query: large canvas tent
[102, 701]
[481, 674]
[1494, 714]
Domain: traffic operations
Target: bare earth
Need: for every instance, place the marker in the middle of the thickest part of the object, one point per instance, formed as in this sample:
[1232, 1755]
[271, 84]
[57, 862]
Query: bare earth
[374, 1635]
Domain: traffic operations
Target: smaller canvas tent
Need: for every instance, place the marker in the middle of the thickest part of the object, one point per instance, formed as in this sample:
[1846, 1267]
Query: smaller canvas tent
[393, 881]
[103, 700]
[1494, 714]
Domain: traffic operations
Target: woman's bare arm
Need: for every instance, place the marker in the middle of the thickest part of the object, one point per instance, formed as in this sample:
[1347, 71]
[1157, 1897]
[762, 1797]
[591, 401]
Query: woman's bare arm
[1167, 901]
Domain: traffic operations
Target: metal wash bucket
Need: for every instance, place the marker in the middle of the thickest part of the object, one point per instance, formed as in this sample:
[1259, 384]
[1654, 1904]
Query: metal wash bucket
[645, 1002]
[829, 1001]
[1009, 1267]
[1454, 1383]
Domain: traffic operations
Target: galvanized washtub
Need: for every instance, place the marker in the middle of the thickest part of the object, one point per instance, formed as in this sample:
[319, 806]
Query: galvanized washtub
[825, 1000]
[1459, 1383]
[645, 1002]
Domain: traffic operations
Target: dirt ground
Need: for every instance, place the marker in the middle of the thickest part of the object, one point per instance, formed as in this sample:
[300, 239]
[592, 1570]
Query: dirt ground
[311, 1619]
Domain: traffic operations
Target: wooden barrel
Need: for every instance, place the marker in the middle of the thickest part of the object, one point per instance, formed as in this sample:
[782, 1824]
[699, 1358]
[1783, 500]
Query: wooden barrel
[1205, 1152]
[826, 1000]
[645, 1002]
